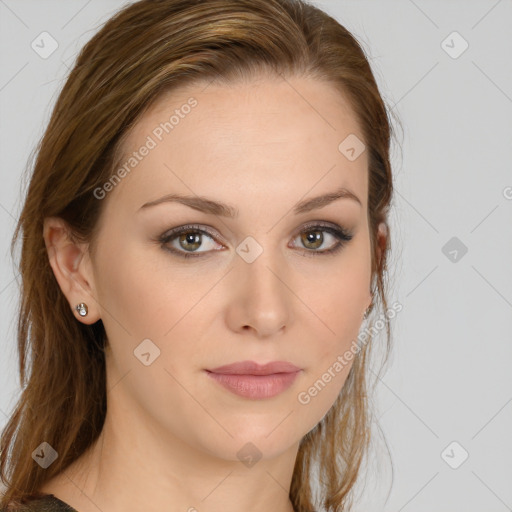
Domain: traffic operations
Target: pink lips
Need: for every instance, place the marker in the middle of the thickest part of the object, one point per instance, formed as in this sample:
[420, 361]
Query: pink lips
[252, 380]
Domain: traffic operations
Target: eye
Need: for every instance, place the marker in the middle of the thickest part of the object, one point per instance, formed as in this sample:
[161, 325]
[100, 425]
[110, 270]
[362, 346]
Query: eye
[312, 237]
[185, 241]
[188, 238]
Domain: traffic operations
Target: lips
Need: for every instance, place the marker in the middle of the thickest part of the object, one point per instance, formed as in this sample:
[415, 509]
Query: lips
[253, 368]
[249, 379]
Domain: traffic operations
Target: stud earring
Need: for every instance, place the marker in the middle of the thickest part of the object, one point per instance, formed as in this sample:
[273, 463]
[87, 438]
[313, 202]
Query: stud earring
[82, 309]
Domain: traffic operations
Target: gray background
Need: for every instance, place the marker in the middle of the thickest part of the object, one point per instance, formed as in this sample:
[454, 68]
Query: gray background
[449, 378]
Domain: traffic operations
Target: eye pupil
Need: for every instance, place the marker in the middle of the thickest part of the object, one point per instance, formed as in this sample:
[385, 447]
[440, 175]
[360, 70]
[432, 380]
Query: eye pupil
[314, 236]
[190, 239]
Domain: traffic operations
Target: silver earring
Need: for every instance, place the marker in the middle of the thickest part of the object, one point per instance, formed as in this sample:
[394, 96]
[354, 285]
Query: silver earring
[82, 309]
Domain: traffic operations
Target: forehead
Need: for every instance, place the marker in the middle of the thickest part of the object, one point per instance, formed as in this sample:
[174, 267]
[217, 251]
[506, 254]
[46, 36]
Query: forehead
[209, 138]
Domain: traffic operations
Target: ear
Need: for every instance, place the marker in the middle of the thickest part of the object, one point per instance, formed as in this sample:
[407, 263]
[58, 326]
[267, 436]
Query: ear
[382, 240]
[72, 267]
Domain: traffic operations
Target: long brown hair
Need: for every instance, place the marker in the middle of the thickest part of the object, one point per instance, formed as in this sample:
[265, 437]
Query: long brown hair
[146, 49]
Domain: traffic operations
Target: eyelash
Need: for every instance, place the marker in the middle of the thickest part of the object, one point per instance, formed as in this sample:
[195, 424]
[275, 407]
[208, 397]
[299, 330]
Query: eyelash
[341, 234]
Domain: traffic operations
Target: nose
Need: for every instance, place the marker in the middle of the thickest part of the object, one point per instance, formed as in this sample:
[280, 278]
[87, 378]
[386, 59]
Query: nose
[261, 298]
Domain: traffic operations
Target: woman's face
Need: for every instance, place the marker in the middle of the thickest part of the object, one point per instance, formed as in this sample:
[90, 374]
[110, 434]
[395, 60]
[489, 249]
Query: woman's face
[258, 285]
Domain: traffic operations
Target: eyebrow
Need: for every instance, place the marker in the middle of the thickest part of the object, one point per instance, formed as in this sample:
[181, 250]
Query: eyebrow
[206, 205]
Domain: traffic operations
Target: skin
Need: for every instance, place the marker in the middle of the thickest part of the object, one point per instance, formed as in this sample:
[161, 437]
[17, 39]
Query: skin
[172, 434]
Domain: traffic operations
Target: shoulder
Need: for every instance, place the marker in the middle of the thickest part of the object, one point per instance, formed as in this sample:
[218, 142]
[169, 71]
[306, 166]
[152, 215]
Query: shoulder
[48, 503]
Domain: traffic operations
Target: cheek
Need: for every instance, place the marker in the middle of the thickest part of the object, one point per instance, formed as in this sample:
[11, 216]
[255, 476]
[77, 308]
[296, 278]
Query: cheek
[339, 307]
[140, 295]
[334, 348]
[144, 297]
[339, 304]
[129, 297]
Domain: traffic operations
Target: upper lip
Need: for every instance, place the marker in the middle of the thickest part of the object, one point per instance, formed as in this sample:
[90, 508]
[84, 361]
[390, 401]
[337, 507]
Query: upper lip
[253, 368]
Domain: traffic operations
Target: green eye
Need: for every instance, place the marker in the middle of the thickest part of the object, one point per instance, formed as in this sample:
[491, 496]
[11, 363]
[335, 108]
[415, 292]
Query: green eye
[312, 237]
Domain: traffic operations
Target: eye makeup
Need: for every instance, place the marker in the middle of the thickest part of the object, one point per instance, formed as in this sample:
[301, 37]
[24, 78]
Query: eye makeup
[193, 234]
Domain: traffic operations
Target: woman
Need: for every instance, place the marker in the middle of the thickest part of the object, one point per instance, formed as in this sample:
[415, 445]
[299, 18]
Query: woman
[205, 231]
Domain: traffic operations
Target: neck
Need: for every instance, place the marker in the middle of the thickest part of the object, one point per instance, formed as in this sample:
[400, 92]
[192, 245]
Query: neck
[137, 465]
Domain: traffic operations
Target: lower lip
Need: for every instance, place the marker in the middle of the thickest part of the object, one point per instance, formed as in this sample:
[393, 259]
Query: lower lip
[255, 386]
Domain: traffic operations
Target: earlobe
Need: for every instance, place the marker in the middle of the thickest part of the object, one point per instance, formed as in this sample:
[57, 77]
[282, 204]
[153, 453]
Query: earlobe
[71, 266]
